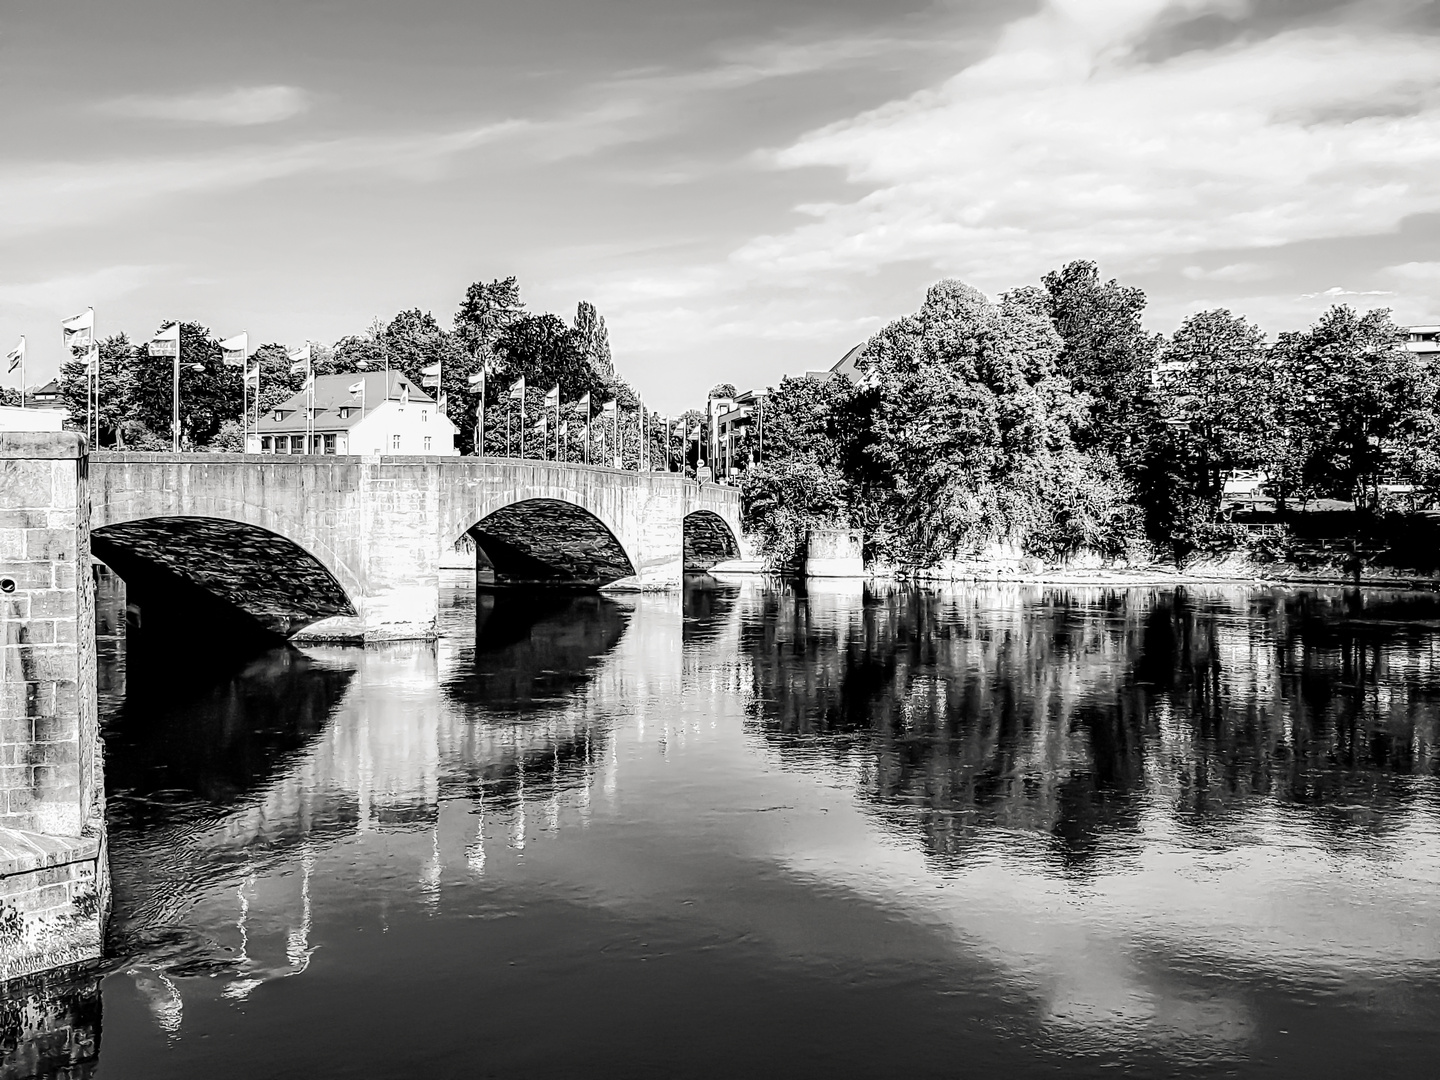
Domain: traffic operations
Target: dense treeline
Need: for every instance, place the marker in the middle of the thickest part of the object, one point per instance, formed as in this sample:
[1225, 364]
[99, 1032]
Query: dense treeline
[491, 330]
[1051, 423]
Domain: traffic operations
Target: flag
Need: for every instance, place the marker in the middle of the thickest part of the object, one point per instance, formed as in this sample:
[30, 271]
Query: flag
[309, 382]
[299, 358]
[585, 402]
[476, 379]
[430, 376]
[552, 396]
[564, 429]
[440, 402]
[355, 387]
[609, 407]
[165, 341]
[253, 375]
[235, 350]
[517, 390]
[16, 356]
[79, 330]
[92, 359]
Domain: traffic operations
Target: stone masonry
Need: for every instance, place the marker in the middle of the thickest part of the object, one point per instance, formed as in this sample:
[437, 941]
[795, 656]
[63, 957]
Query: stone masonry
[53, 882]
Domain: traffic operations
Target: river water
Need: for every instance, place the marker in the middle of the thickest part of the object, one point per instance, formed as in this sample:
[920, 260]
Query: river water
[859, 831]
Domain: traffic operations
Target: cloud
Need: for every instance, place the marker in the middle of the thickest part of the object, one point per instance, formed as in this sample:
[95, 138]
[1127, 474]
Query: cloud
[241, 107]
[1060, 145]
[1335, 292]
[66, 291]
[1415, 273]
[1232, 272]
[62, 194]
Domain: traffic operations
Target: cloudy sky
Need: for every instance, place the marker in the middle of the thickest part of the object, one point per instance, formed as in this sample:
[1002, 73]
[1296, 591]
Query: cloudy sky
[744, 187]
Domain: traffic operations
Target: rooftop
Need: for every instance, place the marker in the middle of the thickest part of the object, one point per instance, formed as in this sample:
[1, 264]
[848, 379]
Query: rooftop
[332, 393]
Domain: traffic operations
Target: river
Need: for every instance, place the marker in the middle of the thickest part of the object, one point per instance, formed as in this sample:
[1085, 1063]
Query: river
[762, 830]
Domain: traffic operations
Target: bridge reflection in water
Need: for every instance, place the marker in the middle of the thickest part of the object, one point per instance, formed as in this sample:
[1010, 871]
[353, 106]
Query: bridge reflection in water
[1180, 831]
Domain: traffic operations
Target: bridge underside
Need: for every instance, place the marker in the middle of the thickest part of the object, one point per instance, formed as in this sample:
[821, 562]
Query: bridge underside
[708, 540]
[548, 542]
[205, 578]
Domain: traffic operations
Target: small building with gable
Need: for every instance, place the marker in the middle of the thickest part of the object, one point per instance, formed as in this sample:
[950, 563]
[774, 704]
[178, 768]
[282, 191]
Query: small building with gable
[390, 415]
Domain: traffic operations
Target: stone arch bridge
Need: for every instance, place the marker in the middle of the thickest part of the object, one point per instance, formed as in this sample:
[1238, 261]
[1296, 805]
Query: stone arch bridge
[350, 548]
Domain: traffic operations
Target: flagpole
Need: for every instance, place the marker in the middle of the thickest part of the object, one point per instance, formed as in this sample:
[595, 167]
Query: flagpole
[175, 400]
[480, 452]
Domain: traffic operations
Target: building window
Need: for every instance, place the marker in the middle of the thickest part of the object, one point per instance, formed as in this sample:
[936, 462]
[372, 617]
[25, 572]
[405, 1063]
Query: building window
[427, 444]
[265, 446]
[424, 416]
[394, 442]
[329, 444]
[276, 416]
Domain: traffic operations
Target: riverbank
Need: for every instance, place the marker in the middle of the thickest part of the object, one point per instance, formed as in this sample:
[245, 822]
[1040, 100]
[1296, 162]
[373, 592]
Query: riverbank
[1227, 572]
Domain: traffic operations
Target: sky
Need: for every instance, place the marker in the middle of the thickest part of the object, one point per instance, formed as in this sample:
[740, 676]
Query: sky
[744, 188]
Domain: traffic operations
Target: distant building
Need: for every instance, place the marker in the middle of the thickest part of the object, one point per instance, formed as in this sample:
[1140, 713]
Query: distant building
[45, 397]
[729, 420]
[1422, 339]
[848, 365]
[391, 416]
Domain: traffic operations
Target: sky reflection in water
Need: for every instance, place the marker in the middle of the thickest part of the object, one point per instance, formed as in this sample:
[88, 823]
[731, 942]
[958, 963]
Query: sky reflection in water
[854, 831]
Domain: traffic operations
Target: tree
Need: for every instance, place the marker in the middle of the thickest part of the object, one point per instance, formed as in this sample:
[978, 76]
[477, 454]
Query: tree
[1105, 352]
[119, 366]
[1213, 414]
[1353, 398]
[208, 397]
[722, 390]
[594, 337]
[487, 309]
[9, 395]
[974, 430]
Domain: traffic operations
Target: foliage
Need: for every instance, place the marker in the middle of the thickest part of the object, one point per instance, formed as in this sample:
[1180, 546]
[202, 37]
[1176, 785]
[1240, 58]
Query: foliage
[1354, 400]
[1106, 353]
[722, 390]
[594, 337]
[230, 439]
[973, 431]
[10, 395]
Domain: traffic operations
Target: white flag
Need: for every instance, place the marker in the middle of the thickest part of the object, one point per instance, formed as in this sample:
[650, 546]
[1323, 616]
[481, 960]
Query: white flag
[80, 329]
[92, 359]
[609, 407]
[476, 379]
[552, 396]
[165, 341]
[584, 403]
[234, 350]
[299, 358]
[253, 375]
[517, 390]
[356, 387]
[16, 356]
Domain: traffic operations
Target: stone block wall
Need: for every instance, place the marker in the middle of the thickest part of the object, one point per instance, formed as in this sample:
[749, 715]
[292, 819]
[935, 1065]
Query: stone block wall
[52, 868]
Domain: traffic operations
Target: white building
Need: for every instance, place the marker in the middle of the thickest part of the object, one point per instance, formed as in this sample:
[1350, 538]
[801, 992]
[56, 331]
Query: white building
[1423, 339]
[398, 418]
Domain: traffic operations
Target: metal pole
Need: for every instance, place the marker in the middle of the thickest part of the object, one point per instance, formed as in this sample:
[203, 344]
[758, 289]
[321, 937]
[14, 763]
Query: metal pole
[175, 400]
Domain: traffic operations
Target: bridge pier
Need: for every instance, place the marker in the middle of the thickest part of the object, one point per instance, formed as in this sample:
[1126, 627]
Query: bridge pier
[54, 885]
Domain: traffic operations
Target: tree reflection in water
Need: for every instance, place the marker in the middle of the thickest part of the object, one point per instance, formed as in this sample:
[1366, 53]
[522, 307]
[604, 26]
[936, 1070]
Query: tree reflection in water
[1067, 713]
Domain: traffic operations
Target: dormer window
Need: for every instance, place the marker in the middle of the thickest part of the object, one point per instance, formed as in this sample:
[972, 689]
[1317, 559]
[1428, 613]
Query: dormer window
[278, 416]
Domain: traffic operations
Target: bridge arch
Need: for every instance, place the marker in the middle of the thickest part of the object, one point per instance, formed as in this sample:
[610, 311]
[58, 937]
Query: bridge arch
[709, 539]
[190, 576]
[549, 541]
